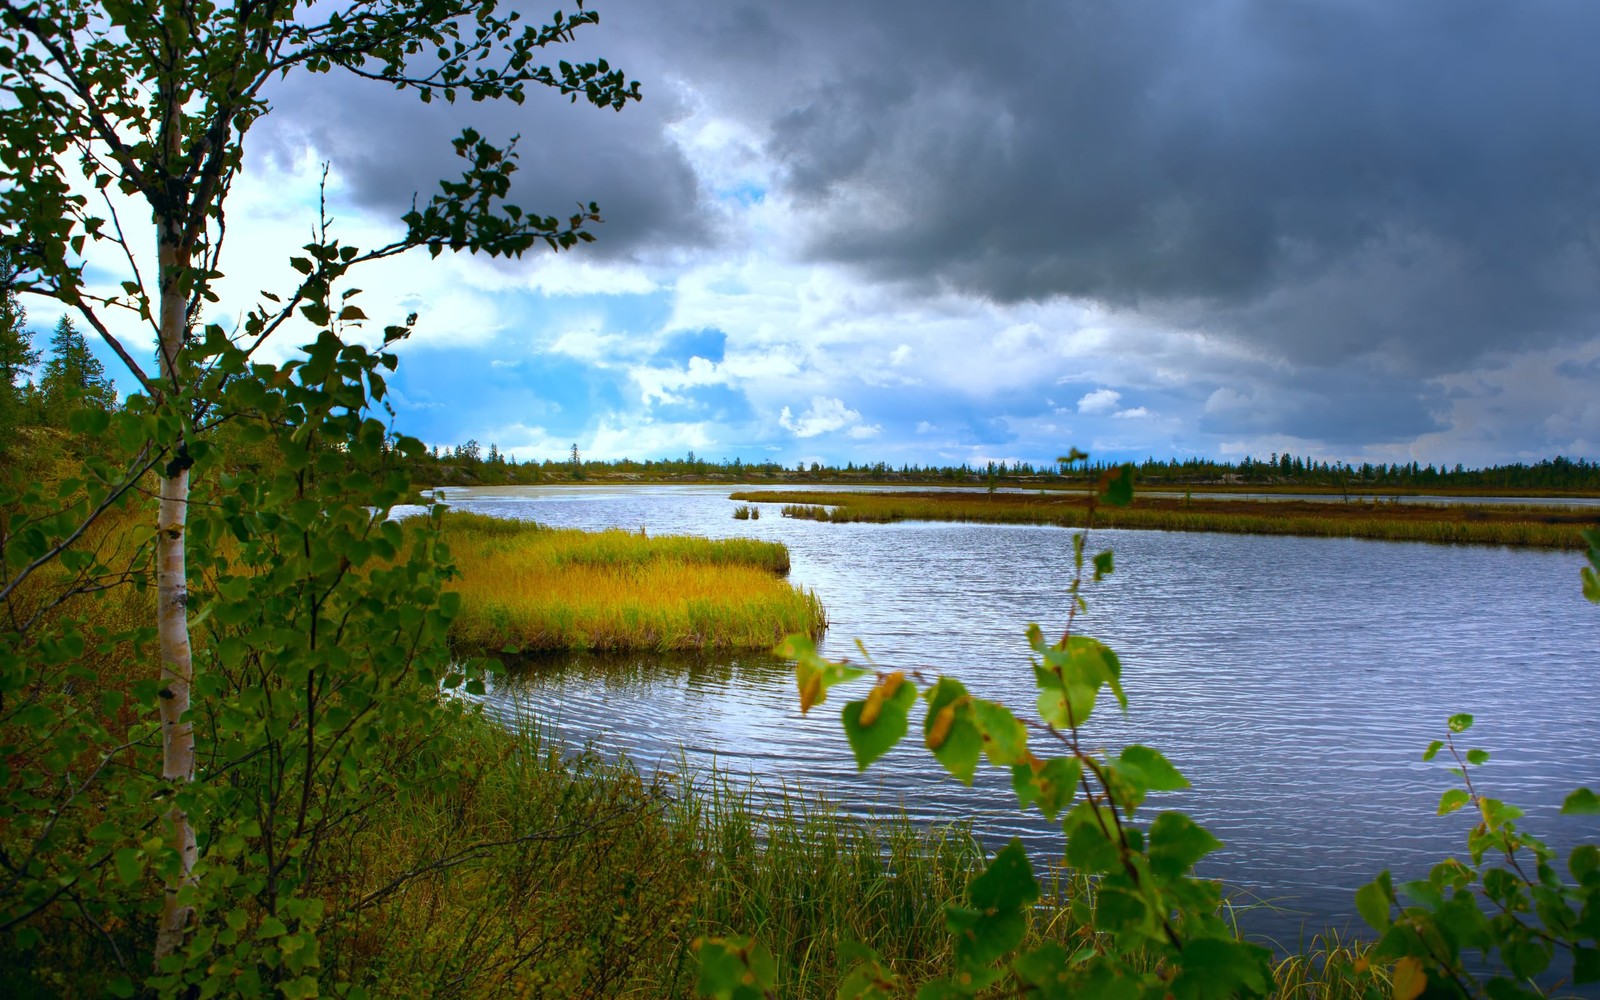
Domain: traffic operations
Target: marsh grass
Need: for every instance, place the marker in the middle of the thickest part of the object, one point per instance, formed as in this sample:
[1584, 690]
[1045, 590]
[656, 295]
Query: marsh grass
[532, 588]
[616, 876]
[1532, 526]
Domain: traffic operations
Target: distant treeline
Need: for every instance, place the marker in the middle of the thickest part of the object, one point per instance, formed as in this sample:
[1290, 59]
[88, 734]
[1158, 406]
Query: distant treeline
[470, 464]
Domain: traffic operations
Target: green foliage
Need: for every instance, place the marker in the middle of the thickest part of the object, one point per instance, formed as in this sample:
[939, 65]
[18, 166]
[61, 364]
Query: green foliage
[1507, 903]
[1158, 928]
[320, 651]
[318, 627]
[1153, 929]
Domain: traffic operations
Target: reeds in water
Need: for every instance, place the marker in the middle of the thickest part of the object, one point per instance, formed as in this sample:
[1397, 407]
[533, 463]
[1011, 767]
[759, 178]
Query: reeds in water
[1541, 527]
[534, 588]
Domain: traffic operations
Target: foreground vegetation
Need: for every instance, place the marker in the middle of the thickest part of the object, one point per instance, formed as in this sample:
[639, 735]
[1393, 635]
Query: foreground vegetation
[1545, 527]
[1503, 924]
[528, 588]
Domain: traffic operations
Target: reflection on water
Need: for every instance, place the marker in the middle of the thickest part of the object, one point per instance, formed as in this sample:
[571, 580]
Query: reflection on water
[1295, 681]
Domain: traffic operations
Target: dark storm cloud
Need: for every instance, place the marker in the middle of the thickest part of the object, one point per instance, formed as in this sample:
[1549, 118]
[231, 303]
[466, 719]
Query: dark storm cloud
[388, 146]
[1419, 182]
[1409, 184]
[1337, 408]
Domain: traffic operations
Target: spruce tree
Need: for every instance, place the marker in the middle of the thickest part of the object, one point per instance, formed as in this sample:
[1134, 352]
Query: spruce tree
[73, 377]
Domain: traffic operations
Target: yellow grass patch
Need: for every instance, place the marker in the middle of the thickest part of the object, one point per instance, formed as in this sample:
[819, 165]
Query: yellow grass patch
[534, 588]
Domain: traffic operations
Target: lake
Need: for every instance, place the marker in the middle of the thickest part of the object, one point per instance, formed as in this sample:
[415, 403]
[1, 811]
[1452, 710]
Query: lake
[1294, 681]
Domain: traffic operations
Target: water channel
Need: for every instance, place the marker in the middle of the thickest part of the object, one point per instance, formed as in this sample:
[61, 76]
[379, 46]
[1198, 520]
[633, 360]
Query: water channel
[1295, 681]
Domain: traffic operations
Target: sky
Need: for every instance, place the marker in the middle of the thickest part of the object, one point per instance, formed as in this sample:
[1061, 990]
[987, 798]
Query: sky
[928, 232]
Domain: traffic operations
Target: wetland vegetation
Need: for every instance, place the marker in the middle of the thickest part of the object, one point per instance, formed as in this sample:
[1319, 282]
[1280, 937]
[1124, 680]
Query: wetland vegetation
[1545, 527]
[529, 588]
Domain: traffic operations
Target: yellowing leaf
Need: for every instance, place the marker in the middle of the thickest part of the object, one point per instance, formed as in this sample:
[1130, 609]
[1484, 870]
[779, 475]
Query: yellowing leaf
[1409, 979]
[874, 705]
[810, 692]
[940, 730]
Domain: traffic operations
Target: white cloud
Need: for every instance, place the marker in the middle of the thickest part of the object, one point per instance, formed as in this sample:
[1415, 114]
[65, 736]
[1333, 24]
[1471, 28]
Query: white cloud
[923, 427]
[863, 431]
[631, 437]
[824, 415]
[590, 344]
[658, 384]
[1133, 414]
[1099, 401]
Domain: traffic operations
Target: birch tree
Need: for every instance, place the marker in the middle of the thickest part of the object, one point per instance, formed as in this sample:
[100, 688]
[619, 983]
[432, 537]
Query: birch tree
[151, 100]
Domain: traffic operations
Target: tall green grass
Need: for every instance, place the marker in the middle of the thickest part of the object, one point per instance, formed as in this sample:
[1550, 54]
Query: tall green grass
[594, 881]
[534, 588]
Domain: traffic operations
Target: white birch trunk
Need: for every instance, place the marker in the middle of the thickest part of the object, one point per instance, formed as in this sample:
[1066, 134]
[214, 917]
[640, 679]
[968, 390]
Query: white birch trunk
[172, 611]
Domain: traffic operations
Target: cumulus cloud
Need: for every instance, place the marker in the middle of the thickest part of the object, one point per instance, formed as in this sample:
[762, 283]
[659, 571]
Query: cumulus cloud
[1099, 401]
[1132, 414]
[825, 414]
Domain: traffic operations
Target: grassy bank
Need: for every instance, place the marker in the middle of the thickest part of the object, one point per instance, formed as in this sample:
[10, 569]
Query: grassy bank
[580, 878]
[1543, 527]
[538, 589]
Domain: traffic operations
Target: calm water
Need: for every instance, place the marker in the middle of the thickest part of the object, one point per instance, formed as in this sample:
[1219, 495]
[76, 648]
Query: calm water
[1294, 681]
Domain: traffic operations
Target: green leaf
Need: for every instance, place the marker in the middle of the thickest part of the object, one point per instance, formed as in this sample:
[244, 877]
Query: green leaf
[1582, 802]
[1177, 842]
[1460, 723]
[996, 922]
[1047, 968]
[1584, 860]
[1008, 882]
[1052, 783]
[1477, 757]
[1372, 902]
[1102, 565]
[303, 988]
[130, 864]
[1452, 799]
[813, 675]
[271, 927]
[1585, 965]
[1155, 772]
[949, 729]
[1222, 968]
[1433, 750]
[1005, 740]
[735, 968]
[890, 705]
[1116, 486]
[1088, 848]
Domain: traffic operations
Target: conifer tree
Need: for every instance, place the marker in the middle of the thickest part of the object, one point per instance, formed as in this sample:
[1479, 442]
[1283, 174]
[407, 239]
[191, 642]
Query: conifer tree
[73, 377]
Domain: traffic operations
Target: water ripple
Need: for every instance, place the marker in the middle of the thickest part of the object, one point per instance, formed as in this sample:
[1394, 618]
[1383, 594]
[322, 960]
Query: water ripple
[1295, 681]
